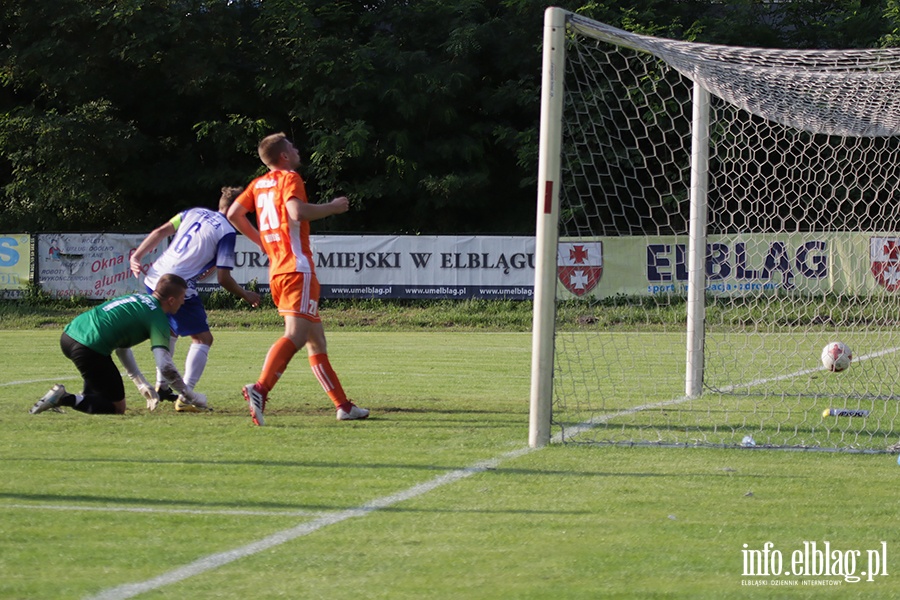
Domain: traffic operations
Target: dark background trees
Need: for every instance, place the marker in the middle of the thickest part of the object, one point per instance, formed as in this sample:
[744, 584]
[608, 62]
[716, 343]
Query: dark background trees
[114, 115]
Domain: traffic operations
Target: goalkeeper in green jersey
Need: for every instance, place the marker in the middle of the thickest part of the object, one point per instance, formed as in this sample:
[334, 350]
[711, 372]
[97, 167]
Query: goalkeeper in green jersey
[92, 337]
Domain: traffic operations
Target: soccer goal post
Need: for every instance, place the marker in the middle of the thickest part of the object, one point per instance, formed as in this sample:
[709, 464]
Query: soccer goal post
[708, 219]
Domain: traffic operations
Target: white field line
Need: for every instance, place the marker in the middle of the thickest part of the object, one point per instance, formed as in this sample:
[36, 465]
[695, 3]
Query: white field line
[29, 381]
[570, 432]
[864, 357]
[214, 561]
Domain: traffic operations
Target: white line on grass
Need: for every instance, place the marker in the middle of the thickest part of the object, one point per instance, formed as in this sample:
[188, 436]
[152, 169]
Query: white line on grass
[214, 561]
[29, 381]
[731, 388]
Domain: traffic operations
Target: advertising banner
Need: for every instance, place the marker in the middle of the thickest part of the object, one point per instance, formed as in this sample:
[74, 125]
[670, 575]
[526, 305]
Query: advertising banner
[810, 263]
[438, 267]
[408, 266]
[15, 264]
[97, 266]
[91, 265]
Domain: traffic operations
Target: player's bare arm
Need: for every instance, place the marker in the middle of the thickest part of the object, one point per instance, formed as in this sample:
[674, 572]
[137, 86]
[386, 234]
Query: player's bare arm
[301, 211]
[228, 282]
[150, 242]
[237, 215]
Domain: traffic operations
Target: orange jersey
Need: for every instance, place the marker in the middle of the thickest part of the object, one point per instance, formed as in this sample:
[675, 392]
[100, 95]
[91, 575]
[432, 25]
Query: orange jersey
[286, 242]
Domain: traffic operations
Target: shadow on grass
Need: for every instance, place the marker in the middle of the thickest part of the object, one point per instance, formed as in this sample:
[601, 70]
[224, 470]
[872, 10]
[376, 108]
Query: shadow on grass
[335, 466]
[158, 505]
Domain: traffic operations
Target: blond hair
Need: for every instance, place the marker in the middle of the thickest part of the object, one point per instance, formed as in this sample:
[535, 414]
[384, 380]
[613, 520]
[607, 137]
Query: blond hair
[271, 148]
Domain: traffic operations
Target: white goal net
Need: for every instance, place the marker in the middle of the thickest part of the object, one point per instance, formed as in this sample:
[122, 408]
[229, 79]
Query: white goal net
[709, 218]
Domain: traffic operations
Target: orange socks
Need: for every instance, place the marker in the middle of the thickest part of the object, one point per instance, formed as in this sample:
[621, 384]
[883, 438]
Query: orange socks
[321, 368]
[280, 354]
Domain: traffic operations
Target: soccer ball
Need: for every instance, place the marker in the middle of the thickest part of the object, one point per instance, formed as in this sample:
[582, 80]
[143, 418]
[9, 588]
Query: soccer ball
[836, 356]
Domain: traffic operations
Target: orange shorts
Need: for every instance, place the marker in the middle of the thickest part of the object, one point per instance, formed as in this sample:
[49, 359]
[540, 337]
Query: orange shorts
[296, 295]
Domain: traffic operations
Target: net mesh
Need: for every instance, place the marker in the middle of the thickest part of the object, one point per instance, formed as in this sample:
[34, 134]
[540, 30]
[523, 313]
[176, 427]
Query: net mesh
[803, 245]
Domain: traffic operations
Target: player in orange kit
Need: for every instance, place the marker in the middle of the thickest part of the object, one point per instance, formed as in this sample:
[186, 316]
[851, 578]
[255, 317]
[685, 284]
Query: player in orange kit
[283, 214]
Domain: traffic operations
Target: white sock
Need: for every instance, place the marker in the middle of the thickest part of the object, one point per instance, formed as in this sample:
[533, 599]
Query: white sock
[194, 364]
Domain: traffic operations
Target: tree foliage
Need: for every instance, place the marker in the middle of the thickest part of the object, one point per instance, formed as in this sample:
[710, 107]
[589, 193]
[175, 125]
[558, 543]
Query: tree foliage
[116, 114]
[99, 105]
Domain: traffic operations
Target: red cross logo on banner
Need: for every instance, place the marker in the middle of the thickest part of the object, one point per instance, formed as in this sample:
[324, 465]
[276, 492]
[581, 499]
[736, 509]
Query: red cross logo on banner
[579, 265]
[885, 255]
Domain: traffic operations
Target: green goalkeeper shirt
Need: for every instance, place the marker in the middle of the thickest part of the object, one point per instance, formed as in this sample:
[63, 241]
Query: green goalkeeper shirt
[121, 323]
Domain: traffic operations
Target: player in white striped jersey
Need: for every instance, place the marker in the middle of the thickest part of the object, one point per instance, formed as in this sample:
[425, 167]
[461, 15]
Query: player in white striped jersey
[204, 241]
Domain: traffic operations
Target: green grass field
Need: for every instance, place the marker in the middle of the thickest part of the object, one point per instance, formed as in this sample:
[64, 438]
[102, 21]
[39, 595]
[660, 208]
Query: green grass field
[435, 496]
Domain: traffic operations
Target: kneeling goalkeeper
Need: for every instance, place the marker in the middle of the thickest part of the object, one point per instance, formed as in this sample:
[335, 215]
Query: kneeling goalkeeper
[91, 338]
